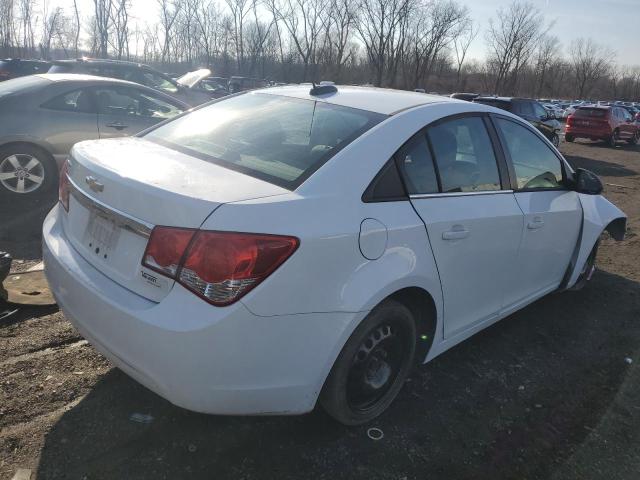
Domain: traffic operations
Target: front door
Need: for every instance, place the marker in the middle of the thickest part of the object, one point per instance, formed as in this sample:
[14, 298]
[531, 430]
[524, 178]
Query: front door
[473, 225]
[124, 110]
[552, 213]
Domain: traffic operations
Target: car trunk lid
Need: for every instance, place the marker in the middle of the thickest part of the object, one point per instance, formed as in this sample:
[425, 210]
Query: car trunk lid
[122, 188]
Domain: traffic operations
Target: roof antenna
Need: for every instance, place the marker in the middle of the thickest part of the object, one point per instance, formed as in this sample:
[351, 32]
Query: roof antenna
[322, 89]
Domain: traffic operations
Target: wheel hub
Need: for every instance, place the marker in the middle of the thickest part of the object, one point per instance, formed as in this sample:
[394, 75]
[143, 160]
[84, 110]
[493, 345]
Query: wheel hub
[21, 173]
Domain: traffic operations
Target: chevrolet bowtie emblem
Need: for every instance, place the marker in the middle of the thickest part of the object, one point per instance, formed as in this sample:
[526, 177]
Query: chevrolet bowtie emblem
[94, 184]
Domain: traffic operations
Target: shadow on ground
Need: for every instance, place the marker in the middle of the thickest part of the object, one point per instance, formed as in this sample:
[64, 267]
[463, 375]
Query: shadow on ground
[518, 400]
[599, 167]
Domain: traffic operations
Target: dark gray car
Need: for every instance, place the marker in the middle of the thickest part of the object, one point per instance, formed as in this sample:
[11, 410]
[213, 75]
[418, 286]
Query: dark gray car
[42, 116]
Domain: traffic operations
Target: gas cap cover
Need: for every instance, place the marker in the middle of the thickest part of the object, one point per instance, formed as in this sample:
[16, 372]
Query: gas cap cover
[373, 238]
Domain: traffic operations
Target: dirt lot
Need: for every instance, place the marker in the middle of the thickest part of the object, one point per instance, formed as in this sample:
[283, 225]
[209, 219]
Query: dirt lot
[546, 393]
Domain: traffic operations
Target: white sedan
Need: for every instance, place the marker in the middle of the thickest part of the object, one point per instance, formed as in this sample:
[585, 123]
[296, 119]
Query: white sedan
[290, 246]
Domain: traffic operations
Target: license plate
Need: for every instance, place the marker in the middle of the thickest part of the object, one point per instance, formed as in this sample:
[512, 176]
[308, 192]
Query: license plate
[102, 233]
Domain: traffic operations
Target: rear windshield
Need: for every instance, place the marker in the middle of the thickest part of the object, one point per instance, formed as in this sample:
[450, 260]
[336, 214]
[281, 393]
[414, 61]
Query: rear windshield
[278, 139]
[590, 112]
[21, 84]
[60, 68]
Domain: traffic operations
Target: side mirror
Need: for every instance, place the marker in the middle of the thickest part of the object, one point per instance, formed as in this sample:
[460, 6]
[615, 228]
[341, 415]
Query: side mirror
[587, 182]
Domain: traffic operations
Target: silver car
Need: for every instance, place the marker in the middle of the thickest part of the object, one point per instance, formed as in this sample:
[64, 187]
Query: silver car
[42, 116]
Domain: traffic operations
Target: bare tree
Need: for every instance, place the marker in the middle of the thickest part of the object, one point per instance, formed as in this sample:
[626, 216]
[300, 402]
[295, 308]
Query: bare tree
[169, 10]
[119, 19]
[547, 53]
[435, 26]
[76, 39]
[511, 40]
[342, 17]
[52, 24]
[377, 27]
[461, 46]
[26, 14]
[590, 62]
[239, 11]
[102, 26]
[303, 20]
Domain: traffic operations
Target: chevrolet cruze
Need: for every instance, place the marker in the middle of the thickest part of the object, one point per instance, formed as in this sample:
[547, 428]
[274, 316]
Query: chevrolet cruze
[301, 245]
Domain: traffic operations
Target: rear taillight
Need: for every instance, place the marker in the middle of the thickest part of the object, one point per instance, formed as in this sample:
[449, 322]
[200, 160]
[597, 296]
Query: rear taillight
[219, 267]
[63, 186]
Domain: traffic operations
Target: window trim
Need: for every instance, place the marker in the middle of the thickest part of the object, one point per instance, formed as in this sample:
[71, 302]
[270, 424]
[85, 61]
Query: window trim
[504, 173]
[567, 177]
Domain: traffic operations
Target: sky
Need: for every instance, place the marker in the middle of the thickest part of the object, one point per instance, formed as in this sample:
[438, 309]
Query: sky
[615, 23]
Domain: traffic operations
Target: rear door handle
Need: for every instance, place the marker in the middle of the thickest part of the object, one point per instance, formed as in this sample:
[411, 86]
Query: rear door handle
[456, 233]
[536, 223]
[117, 125]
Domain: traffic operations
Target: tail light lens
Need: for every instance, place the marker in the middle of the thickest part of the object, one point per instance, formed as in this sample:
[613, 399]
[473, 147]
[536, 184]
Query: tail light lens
[219, 267]
[63, 186]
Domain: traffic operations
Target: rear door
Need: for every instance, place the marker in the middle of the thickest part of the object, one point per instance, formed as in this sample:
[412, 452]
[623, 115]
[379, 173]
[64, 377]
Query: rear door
[627, 127]
[125, 110]
[473, 223]
[67, 118]
[552, 213]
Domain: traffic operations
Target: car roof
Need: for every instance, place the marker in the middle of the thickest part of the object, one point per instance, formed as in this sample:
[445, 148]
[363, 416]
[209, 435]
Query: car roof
[79, 77]
[104, 61]
[380, 100]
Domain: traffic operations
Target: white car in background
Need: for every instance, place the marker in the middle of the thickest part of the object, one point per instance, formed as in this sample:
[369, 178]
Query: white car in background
[289, 245]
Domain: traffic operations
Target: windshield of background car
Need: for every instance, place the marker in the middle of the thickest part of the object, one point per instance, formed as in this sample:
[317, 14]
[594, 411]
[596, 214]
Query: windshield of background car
[590, 112]
[278, 139]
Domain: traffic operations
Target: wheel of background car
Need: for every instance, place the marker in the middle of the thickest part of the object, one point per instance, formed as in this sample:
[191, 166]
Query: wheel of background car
[26, 170]
[372, 366]
[613, 138]
[555, 140]
[569, 138]
[634, 140]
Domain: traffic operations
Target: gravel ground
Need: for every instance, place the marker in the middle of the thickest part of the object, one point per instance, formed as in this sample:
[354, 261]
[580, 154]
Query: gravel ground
[546, 393]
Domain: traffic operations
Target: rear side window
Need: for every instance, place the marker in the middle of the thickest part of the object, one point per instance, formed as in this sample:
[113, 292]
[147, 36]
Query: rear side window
[464, 156]
[590, 112]
[416, 166]
[278, 139]
[535, 165]
[78, 101]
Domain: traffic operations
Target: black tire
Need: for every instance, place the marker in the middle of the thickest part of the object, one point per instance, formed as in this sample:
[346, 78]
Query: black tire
[587, 269]
[555, 140]
[634, 140]
[372, 366]
[45, 169]
[612, 140]
[569, 138]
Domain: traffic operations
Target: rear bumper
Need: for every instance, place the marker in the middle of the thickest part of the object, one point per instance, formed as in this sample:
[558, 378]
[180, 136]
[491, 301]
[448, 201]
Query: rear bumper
[588, 133]
[203, 358]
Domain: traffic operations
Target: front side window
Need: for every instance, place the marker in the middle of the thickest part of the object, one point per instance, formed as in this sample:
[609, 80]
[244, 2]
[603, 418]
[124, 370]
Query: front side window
[539, 111]
[129, 101]
[464, 155]
[535, 164]
[278, 139]
[78, 101]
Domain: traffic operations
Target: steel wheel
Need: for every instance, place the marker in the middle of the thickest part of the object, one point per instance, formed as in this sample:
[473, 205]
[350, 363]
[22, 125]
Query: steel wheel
[376, 365]
[21, 173]
[372, 366]
[555, 140]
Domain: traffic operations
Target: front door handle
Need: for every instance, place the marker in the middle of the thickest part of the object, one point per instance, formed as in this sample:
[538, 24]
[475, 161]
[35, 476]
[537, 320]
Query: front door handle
[117, 125]
[458, 232]
[536, 223]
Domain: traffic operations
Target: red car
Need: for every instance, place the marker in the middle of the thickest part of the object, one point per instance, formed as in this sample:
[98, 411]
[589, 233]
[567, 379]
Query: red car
[608, 123]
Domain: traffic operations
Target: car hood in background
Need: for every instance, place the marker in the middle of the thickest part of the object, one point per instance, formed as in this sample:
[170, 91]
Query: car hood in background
[191, 79]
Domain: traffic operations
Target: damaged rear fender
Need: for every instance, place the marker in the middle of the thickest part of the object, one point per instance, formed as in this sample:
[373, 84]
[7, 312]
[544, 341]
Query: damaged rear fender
[598, 215]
